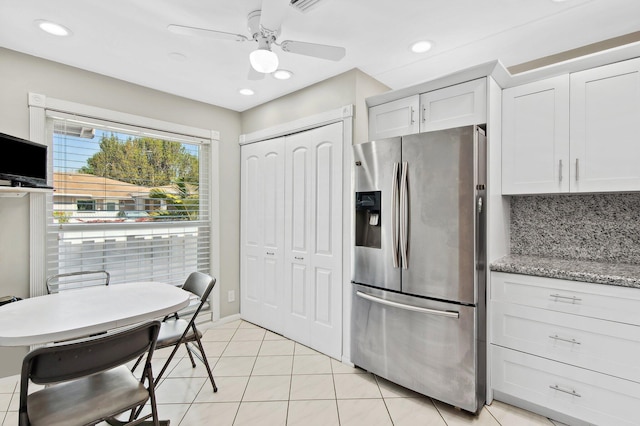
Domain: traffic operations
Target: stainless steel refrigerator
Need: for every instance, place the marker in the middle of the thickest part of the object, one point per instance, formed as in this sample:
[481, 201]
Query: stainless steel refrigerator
[418, 301]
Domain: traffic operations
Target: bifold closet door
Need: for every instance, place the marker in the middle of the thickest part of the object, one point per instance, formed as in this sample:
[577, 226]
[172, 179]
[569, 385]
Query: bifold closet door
[262, 233]
[313, 239]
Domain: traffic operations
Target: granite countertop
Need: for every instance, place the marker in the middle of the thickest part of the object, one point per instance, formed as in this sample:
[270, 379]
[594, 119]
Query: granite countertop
[620, 274]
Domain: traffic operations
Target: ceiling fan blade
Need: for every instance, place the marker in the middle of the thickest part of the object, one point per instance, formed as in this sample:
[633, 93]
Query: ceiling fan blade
[272, 14]
[194, 31]
[324, 51]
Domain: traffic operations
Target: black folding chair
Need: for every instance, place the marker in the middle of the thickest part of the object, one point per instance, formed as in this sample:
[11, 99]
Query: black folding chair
[177, 331]
[88, 382]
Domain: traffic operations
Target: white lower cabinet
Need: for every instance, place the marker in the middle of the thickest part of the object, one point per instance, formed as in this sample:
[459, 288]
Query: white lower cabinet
[291, 232]
[586, 395]
[568, 346]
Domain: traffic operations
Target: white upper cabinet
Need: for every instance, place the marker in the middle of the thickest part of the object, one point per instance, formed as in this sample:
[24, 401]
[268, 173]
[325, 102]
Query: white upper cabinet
[573, 133]
[454, 106]
[535, 147]
[396, 118]
[605, 141]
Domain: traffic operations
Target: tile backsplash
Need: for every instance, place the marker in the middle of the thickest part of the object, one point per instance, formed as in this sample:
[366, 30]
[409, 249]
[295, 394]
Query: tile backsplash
[597, 227]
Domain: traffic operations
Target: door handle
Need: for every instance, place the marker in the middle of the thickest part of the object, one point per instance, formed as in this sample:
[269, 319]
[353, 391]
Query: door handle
[404, 215]
[449, 314]
[394, 215]
[560, 171]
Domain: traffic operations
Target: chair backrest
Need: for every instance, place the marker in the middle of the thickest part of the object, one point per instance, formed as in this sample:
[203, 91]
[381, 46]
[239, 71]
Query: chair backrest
[201, 285]
[70, 361]
[75, 280]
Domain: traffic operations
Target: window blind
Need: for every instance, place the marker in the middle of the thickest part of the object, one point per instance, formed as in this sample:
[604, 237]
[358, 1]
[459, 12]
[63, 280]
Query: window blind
[129, 200]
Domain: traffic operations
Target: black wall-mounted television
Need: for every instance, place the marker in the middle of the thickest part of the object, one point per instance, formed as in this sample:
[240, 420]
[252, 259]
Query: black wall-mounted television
[22, 162]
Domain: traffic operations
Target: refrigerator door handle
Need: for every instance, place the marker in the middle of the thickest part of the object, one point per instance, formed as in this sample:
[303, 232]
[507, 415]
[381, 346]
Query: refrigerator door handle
[449, 314]
[404, 215]
[394, 215]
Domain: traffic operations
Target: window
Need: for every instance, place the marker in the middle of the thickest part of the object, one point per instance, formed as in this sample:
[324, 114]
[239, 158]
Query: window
[133, 201]
[84, 205]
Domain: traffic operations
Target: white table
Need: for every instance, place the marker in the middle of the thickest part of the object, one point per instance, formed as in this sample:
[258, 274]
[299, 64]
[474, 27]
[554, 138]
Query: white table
[78, 313]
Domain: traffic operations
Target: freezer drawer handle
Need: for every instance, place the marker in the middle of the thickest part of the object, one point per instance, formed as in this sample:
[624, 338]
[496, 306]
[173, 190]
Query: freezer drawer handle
[573, 299]
[570, 392]
[556, 337]
[450, 314]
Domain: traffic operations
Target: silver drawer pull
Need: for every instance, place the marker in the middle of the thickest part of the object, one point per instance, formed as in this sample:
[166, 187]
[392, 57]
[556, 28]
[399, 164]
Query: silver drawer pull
[570, 392]
[556, 337]
[270, 253]
[298, 258]
[573, 299]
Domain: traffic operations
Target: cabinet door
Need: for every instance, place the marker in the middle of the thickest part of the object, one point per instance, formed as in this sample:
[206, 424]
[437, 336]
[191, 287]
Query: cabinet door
[605, 112]
[262, 233]
[460, 105]
[313, 239]
[396, 118]
[535, 137]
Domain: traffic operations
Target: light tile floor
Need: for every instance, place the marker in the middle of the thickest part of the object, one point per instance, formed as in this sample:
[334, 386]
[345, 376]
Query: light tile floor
[266, 379]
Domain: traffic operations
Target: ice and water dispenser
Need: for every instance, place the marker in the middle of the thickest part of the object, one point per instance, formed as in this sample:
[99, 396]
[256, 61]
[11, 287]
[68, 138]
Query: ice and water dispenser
[368, 220]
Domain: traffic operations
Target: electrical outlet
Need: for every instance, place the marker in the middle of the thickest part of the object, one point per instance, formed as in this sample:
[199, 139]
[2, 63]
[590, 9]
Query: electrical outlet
[231, 296]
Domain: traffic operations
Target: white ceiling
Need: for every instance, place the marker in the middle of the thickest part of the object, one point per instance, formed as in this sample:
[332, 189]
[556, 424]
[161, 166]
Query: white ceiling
[129, 39]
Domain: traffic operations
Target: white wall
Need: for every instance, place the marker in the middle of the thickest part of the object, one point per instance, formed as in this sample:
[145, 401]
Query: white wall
[21, 74]
[349, 88]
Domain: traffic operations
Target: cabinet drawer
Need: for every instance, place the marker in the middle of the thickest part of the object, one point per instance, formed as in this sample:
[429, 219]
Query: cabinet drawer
[608, 302]
[592, 397]
[598, 345]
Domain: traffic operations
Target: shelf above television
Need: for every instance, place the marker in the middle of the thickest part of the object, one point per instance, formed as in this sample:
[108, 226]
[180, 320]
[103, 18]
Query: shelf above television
[19, 191]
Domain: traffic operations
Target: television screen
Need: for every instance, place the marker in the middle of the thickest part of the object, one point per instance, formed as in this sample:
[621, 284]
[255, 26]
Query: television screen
[23, 162]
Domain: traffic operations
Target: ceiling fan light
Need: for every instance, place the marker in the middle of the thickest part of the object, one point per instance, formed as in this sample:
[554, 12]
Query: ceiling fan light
[264, 61]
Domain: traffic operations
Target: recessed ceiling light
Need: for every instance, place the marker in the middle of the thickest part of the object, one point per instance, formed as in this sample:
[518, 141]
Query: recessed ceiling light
[282, 74]
[53, 28]
[246, 92]
[421, 46]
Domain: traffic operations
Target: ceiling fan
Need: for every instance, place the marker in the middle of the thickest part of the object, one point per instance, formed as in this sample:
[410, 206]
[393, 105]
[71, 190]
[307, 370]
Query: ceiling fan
[264, 29]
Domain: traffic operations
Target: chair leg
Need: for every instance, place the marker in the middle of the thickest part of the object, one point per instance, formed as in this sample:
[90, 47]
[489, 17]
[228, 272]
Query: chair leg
[206, 364]
[166, 364]
[193, 363]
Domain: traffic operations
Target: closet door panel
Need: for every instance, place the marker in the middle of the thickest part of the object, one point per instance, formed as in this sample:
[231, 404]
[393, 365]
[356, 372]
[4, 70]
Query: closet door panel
[313, 203]
[262, 233]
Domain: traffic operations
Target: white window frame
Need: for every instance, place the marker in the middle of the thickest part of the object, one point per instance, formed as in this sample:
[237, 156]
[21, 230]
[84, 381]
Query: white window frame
[38, 106]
